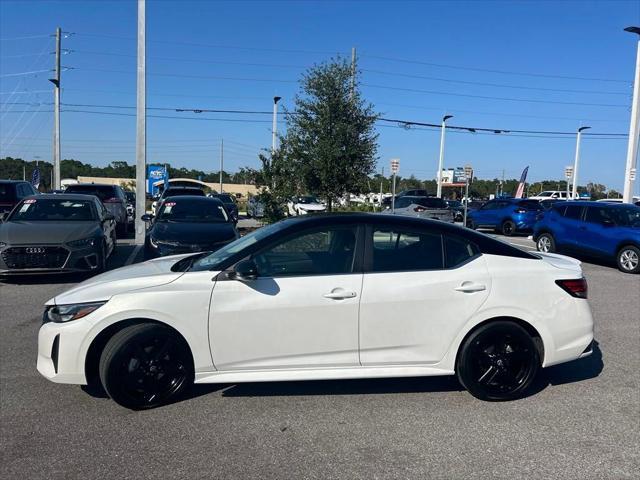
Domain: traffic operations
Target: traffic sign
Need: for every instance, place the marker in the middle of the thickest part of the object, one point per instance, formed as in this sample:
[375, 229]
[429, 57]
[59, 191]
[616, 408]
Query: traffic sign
[568, 172]
[395, 165]
[468, 172]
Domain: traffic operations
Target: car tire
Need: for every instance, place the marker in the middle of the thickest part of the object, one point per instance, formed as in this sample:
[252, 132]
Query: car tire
[471, 224]
[546, 243]
[628, 259]
[146, 365]
[498, 361]
[508, 228]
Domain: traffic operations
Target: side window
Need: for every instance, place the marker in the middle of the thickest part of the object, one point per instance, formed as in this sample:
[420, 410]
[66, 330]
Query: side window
[488, 206]
[20, 191]
[458, 250]
[320, 252]
[597, 215]
[573, 211]
[402, 202]
[397, 250]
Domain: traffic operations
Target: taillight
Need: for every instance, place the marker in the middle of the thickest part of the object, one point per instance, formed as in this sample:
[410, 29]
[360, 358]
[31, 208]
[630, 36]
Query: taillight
[419, 209]
[112, 200]
[576, 287]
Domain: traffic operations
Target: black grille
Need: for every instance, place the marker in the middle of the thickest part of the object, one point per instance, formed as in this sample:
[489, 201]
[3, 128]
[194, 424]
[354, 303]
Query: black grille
[35, 257]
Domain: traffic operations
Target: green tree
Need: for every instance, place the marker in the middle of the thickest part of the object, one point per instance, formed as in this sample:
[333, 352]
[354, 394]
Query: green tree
[330, 146]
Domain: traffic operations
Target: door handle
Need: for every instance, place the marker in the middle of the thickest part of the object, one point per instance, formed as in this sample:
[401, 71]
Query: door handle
[340, 295]
[469, 287]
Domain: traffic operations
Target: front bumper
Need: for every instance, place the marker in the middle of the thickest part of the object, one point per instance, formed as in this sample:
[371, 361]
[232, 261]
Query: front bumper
[67, 259]
[59, 357]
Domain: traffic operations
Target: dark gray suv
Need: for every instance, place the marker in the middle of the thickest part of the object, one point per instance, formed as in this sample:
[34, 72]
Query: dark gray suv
[112, 196]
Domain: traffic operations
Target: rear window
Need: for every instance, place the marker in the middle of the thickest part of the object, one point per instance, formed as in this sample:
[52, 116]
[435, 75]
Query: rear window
[7, 192]
[179, 192]
[103, 192]
[397, 250]
[458, 251]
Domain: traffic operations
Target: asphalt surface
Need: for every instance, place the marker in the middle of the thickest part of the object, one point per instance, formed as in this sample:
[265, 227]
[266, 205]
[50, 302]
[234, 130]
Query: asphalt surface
[583, 422]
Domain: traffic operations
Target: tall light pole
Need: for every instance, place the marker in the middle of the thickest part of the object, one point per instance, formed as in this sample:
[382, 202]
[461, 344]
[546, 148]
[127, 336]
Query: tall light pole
[441, 161]
[141, 127]
[221, 161]
[634, 128]
[56, 113]
[274, 129]
[574, 191]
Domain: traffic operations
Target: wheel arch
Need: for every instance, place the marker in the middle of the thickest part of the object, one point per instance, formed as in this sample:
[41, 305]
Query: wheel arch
[531, 330]
[92, 358]
[624, 243]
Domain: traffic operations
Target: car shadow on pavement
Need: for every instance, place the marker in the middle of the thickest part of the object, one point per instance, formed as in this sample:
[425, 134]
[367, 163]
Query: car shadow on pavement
[345, 387]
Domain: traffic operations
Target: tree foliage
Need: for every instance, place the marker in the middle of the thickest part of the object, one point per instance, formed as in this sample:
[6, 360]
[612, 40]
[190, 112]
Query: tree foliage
[330, 145]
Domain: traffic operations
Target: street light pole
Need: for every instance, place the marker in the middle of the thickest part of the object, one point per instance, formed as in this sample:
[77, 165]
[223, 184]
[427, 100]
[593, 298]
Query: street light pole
[141, 126]
[274, 129]
[441, 161]
[634, 129]
[576, 162]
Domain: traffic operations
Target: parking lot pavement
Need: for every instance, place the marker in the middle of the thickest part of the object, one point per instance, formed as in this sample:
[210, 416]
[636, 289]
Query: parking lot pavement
[583, 422]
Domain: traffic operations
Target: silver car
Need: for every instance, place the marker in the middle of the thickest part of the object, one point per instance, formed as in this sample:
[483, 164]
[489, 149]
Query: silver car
[424, 207]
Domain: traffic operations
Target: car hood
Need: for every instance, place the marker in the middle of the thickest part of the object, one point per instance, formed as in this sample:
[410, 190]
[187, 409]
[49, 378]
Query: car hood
[38, 233]
[152, 273]
[193, 233]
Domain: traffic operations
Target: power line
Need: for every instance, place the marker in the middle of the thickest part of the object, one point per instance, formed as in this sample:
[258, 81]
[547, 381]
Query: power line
[504, 72]
[5, 39]
[500, 85]
[18, 74]
[487, 97]
[181, 75]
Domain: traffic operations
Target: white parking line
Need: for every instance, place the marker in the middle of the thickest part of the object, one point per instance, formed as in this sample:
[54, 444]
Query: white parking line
[133, 255]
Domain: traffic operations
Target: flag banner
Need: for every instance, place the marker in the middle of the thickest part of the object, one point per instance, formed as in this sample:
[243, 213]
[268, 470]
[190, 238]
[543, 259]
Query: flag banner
[523, 179]
[35, 178]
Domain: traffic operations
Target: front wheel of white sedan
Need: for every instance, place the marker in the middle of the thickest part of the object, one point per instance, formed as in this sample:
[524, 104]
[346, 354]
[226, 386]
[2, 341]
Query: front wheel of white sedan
[146, 365]
[498, 361]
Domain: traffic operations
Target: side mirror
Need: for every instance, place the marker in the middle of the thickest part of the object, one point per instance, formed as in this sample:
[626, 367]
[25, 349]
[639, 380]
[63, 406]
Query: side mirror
[244, 271]
[147, 217]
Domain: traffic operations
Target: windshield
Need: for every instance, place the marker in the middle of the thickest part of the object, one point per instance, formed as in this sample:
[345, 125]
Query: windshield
[225, 198]
[101, 192]
[53, 210]
[192, 212]
[304, 200]
[219, 257]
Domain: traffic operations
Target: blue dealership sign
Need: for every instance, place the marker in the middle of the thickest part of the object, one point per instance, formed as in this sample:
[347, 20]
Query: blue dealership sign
[155, 173]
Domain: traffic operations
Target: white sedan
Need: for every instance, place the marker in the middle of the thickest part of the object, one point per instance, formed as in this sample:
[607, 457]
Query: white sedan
[322, 297]
[303, 205]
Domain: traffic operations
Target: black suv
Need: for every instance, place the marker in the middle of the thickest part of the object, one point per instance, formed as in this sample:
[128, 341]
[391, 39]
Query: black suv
[11, 192]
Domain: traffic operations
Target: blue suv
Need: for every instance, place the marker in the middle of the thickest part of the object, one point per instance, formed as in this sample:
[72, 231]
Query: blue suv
[506, 215]
[607, 231]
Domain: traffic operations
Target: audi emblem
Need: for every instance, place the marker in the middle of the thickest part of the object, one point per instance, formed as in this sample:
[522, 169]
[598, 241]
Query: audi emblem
[34, 250]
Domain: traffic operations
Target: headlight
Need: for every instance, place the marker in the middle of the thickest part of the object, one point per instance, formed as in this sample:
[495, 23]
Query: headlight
[2, 244]
[84, 242]
[66, 313]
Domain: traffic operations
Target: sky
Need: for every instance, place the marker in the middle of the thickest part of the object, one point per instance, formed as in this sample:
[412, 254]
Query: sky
[549, 66]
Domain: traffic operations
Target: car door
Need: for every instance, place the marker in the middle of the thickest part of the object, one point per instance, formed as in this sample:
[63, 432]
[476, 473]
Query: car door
[108, 225]
[419, 288]
[300, 312]
[483, 215]
[597, 232]
[569, 227]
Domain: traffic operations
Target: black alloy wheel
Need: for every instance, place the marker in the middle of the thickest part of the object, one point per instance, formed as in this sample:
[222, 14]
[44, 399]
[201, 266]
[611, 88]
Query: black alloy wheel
[499, 361]
[508, 228]
[145, 366]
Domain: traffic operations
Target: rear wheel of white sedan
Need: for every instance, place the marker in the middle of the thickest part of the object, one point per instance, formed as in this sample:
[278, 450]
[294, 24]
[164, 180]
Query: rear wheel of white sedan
[146, 365]
[498, 361]
[546, 243]
[629, 259]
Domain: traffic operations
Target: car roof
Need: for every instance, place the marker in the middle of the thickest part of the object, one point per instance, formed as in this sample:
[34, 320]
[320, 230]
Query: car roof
[92, 185]
[63, 196]
[586, 203]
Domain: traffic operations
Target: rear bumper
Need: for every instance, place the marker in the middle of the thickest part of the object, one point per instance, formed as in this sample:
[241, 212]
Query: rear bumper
[572, 335]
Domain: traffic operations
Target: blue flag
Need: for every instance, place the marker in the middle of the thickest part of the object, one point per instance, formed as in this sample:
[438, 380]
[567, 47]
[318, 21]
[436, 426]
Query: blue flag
[35, 178]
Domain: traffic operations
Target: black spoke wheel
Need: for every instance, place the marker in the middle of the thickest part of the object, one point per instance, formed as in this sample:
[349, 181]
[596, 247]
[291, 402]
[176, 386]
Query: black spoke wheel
[498, 361]
[146, 365]
[508, 228]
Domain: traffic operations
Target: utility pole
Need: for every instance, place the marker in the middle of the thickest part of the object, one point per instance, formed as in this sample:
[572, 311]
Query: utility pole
[441, 161]
[141, 126]
[381, 182]
[274, 128]
[574, 191]
[221, 161]
[353, 72]
[634, 129]
[56, 113]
